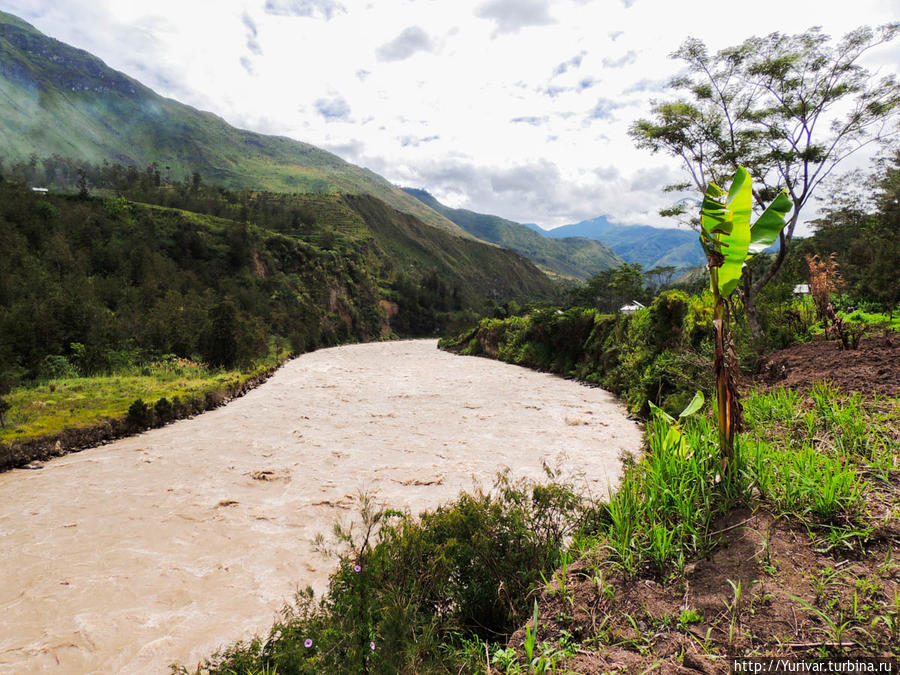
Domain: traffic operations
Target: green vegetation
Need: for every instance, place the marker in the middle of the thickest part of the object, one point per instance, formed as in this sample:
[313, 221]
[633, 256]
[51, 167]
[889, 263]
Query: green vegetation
[729, 241]
[64, 101]
[113, 274]
[657, 355]
[788, 107]
[72, 403]
[570, 257]
[613, 288]
[883, 320]
[860, 230]
[806, 460]
[412, 595]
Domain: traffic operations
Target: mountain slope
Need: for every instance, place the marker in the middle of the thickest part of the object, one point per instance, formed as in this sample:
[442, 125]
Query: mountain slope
[649, 246]
[115, 274]
[55, 99]
[573, 257]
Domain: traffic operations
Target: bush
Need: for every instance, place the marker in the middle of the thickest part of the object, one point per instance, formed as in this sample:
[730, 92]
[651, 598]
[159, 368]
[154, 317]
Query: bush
[57, 366]
[667, 313]
[139, 415]
[410, 587]
[164, 410]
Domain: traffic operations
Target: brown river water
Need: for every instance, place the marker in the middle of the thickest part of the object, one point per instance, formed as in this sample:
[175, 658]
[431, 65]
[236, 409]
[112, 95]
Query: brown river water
[163, 547]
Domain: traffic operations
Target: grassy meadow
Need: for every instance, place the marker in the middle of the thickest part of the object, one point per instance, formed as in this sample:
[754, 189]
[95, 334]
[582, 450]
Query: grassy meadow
[72, 402]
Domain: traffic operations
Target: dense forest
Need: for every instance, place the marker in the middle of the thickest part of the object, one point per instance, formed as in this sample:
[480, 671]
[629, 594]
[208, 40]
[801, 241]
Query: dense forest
[132, 266]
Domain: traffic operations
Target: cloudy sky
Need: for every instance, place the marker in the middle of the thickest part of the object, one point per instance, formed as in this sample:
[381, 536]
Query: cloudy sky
[513, 107]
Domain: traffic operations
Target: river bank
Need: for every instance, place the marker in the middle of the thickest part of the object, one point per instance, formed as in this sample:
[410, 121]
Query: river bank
[165, 546]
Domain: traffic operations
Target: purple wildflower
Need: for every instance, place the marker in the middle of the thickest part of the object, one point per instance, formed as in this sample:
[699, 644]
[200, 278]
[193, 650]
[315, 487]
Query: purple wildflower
[357, 568]
[372, 646]
[307, 643]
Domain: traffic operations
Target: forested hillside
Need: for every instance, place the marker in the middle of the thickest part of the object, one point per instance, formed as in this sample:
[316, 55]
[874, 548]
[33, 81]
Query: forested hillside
[215, 275]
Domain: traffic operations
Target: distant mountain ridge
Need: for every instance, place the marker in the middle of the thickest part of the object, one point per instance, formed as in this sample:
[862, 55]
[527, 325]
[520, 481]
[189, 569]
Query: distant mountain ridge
[56, 99]
[649, 246]
[577, 257]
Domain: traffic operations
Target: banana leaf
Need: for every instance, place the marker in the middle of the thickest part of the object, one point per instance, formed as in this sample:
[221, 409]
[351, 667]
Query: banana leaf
[726, 227]
[766, 229]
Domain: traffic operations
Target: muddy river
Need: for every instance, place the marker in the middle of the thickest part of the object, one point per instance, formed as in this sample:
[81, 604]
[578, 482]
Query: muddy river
[162, 547]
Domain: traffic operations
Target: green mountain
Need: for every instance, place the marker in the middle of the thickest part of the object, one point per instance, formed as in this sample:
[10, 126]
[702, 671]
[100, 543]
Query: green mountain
[649, 246]
[572, 257]
[55, 99]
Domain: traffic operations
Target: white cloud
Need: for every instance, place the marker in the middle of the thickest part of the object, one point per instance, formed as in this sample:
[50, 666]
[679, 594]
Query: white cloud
[625, 59]
[325, 9]
[512, 15]
[410, 41]
[252, 31]
[521, 107]
[333, 108]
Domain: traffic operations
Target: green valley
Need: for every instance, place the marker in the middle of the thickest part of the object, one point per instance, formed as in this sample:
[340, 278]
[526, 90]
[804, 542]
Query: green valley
[94, 286]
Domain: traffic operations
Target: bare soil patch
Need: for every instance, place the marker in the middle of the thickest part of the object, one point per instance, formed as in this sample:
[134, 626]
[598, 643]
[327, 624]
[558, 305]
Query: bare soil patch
[874, 367]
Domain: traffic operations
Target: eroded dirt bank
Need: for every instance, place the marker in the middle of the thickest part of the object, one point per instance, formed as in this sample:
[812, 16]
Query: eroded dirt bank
[162, 547]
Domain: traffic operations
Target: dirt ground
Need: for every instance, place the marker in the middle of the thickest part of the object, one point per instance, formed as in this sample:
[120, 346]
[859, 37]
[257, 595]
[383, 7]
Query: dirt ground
[874, 367]
[644, 625]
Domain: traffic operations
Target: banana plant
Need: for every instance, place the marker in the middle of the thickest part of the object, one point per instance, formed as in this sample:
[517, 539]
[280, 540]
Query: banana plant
[674, 437]
[729, 241]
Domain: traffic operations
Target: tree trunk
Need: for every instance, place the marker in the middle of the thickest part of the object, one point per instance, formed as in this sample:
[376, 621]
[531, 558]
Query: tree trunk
[756, 329]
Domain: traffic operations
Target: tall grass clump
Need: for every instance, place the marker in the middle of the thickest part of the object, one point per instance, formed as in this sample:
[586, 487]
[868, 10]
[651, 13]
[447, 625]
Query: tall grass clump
[665, 510]
[662, 513]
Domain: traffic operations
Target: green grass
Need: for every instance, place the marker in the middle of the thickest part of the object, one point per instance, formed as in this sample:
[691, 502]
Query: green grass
[807, 458]
[874, 319]
[60, 404]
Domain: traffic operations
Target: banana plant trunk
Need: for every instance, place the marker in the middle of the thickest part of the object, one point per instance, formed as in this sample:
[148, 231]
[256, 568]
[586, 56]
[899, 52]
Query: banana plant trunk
[724, 364]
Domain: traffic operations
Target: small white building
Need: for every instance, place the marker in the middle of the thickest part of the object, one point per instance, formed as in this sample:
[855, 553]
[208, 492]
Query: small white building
[801, 289]
[42, 191]
[631, 307]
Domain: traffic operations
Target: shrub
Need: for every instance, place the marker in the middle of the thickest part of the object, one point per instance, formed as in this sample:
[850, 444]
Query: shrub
[139, 415]
[413, 587]
[164, 411]
[57, 366]
[666, 315]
